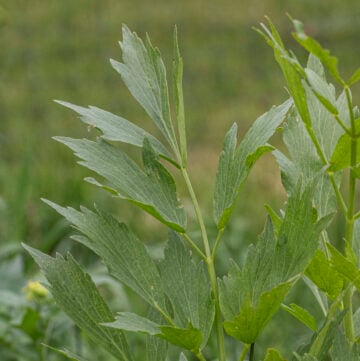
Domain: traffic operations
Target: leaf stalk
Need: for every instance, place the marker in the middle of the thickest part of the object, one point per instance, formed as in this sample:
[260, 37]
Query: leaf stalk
[210, 267]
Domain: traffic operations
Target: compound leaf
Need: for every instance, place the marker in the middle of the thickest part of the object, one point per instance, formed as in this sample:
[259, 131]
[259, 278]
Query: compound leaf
[248, 324]
[121, 251]
[153, 190]
[77, 295]
[143, 72]
[235, 165]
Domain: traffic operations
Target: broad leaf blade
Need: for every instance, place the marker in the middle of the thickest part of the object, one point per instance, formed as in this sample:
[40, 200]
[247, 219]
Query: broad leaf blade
[187, 287]
[115, 128]
[341, 157]
[79, 298]
[252, 319]
[120, 250]
[234, 166]
[189, 338]
[153, 191]
[144, 74]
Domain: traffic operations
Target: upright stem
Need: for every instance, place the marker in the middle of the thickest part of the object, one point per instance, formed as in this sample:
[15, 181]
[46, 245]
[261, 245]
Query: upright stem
[349, 230]
[210, 267]
[252, 352]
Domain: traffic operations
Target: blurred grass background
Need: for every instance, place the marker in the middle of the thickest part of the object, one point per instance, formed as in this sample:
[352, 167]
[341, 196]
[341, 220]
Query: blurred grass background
[60, 50]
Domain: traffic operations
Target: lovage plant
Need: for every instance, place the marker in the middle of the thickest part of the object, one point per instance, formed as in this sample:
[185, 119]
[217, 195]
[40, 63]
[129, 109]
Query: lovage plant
[187, 302]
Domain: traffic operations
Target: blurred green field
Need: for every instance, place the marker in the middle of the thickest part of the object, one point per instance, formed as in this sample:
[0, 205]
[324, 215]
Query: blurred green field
[61, 49]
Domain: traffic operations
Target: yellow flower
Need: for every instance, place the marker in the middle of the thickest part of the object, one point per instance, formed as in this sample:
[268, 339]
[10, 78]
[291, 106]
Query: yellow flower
[35, 290]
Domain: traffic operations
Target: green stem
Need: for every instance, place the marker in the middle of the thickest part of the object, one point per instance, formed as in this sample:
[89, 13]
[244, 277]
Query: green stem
[210, 267]
[252, 352]
[244, 352]
[164, 314]
[356, 215]
[323, 158]
[194, 246]
[200, 356]
[349, 230]
[342, 125]
[217, 242]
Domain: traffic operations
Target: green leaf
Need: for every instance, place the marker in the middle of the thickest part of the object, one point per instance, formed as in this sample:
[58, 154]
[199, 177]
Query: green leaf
[341, 158]
[77, 295]
[273, 355]
[153, 190]
[313, 47]
[179, 99]
[291, 70]
[115, 128]
[144, 74]
[250, 296]
[324, 275]
[132, 322]
[122, 252]
[321, 90]
[252, 319]
[356, 320]
[156, 348]
[187, 287]
[323, 340]
[305, 161]
[299, 233]
[302, 315]
[275, 219]
[235, 165]
[354, 78]
[189, 338]
[68, 354]
[345, 267]
[343, 350]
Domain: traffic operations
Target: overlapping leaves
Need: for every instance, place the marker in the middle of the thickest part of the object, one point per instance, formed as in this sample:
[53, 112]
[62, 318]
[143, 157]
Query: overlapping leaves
[250, 296]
